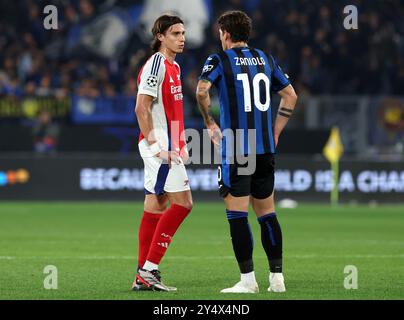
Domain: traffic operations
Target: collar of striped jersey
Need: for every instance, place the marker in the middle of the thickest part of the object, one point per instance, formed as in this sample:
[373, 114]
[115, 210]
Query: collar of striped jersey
[240, 47]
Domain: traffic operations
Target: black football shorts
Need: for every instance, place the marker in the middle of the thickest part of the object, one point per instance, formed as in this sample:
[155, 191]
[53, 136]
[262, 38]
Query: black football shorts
[260, 184]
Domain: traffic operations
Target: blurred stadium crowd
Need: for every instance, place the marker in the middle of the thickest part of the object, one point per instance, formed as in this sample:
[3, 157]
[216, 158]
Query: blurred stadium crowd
[307, 37]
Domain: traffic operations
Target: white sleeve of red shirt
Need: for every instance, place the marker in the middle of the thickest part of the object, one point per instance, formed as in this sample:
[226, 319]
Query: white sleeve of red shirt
[152, 75]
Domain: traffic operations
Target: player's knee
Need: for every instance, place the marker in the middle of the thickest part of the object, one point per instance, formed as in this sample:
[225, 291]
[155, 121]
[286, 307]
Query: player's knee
[161, 209]
[188, 204]
[261, 208]
[184, 200]
[155, 206]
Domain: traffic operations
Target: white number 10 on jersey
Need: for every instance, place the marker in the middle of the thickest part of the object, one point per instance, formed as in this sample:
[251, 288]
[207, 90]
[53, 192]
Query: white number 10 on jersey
[256, 91]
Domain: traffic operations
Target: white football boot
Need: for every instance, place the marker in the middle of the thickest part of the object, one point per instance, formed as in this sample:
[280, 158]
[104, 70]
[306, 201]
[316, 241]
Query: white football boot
[276, 282]
[242, 287]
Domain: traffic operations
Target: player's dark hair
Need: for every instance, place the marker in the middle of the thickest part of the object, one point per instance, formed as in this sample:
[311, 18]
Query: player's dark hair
[237, 23]
[161, 25]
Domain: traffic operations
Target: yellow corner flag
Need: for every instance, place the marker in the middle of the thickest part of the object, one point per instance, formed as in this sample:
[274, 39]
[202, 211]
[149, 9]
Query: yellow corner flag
[333, 151]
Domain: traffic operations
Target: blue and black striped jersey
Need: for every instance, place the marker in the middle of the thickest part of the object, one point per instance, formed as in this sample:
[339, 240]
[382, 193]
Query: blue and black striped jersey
[245, 78]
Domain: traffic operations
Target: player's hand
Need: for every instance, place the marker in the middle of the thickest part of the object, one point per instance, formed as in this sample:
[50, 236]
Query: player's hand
[184, 154]
[276, 138]
[170, 157]
[215, 133]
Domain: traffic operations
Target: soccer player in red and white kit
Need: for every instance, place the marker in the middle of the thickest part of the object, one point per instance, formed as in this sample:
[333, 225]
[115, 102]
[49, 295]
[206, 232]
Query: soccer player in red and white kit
[159, 111]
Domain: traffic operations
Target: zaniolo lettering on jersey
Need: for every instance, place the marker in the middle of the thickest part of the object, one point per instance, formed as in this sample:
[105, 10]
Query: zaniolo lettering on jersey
[245, 78]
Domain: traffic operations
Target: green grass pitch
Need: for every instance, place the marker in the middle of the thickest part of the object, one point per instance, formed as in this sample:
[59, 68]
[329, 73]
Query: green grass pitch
[93, 246]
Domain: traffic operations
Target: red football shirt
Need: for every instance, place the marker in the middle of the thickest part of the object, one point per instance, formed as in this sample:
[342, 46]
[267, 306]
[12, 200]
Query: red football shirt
[161, 80]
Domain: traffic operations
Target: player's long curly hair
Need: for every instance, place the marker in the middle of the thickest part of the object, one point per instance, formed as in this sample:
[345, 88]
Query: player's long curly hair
[160, 26]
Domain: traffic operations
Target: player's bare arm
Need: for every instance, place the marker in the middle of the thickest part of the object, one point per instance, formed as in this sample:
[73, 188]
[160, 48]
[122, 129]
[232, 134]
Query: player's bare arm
[285, 111]
[143, 110]
[203, 98]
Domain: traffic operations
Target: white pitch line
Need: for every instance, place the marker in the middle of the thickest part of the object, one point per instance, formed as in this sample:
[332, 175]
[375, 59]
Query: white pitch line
[309, 256]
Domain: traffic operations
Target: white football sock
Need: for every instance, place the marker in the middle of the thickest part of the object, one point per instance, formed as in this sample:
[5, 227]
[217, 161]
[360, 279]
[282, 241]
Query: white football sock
[150, 266]
[248, 277]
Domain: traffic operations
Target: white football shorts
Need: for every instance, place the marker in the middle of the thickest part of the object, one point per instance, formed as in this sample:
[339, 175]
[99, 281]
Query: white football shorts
[159, 177]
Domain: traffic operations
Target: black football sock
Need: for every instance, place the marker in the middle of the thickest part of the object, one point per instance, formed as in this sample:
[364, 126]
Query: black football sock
[242, 239]
[271, 238]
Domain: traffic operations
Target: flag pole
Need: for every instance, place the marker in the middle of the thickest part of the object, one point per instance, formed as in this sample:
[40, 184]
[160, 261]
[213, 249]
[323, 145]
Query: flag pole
[333, 151]
[335, 189]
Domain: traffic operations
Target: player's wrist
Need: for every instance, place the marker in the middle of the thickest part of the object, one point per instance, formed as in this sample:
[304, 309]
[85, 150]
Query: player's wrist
[277, 131]
[209, 121]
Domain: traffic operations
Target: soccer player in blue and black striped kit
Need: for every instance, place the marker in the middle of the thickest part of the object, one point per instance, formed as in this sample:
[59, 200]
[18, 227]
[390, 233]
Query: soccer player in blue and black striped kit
[245, 77]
